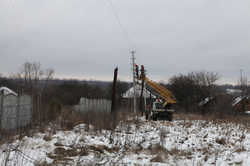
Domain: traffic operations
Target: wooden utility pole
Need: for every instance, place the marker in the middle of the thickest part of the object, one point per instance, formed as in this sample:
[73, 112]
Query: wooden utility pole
[142, 108]
[134, 77]
[113, 105]
[241, 82]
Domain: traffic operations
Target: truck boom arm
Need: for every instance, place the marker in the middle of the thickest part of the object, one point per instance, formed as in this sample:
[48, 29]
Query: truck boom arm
[162, 91]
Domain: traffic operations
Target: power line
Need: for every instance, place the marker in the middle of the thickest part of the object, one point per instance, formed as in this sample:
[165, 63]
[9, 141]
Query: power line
[122, 27]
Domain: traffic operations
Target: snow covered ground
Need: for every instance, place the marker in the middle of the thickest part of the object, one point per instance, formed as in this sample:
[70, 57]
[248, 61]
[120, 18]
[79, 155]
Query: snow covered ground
[135, 142]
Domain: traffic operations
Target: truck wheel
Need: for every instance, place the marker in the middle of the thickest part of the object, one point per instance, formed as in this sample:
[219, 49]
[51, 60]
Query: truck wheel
[154, 118]
[170, 117]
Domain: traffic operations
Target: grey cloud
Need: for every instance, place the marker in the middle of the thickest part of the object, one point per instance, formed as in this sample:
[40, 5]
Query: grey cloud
[83, 39]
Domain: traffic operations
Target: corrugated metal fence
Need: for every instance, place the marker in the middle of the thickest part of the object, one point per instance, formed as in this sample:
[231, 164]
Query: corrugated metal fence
[15, 111]
[98, 105]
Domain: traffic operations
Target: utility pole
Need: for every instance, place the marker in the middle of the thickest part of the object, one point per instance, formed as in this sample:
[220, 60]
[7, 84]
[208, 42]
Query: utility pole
[241, 79]
[113, 106]
[142, 104]
[243, 83]
[134, 76]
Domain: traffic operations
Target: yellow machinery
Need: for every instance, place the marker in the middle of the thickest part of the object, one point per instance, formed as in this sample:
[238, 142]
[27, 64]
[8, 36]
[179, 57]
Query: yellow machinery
[162, 91]
[158, 109]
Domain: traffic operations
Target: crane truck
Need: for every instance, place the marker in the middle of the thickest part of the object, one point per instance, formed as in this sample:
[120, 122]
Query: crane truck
[161, 107]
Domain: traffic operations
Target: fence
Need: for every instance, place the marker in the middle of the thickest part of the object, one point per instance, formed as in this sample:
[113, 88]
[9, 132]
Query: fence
[15, 111]
[98, 105]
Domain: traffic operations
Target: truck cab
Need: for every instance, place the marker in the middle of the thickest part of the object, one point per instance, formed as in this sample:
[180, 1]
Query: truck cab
[158, 112]
[158, 106]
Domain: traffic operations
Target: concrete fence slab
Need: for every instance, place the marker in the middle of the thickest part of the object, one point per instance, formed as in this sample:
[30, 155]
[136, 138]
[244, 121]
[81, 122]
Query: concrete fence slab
[97, 105]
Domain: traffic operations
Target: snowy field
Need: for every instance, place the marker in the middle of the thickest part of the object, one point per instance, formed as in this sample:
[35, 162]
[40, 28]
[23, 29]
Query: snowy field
[135, 142]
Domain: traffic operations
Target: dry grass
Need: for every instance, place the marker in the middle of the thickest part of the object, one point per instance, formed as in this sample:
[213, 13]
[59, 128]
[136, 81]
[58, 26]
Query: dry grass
[100, 120]
[227, 118]
[221, 141]
[61, 155]
[102, 148]
[43, 163]
[47, 137]
[162, 154]
[205, 151]
[67, 120]
[157, 159]
[240, 149]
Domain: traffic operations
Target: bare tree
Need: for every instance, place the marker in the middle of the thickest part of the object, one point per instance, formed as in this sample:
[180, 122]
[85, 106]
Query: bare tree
[34, 78]
[192, 88]
[206, 81]
[48, 75]
[1, 78]
[243, 83]
[204, 78]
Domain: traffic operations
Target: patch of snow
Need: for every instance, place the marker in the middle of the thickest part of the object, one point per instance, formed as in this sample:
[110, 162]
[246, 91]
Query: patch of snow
[181, 142]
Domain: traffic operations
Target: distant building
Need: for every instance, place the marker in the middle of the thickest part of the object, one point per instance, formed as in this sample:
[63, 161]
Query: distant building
[220, 102]
[233, 92]
[6, 91]
[130, 93]
[241, 104]
[127, 97]
[206, 101]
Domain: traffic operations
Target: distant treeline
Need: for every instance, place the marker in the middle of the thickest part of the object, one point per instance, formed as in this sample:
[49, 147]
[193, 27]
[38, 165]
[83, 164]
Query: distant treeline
[69, 91]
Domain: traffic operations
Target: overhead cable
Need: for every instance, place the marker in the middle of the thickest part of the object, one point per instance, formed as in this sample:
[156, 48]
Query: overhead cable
[122, 27]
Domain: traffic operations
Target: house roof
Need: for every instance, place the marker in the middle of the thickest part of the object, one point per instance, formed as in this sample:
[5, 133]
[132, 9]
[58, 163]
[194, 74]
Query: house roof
[7, 91]
[130, 93]
[205, 101]
[237, 100]
[233, 91]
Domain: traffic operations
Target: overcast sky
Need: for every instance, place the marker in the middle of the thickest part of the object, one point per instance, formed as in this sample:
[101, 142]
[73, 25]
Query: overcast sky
[83, 39]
